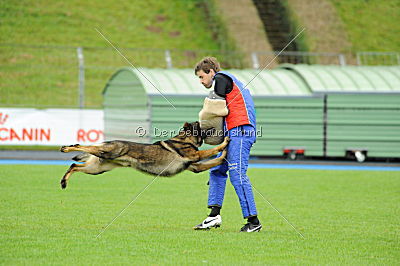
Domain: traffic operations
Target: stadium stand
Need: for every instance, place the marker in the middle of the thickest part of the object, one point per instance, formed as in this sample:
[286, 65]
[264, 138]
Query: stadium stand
[328, 111]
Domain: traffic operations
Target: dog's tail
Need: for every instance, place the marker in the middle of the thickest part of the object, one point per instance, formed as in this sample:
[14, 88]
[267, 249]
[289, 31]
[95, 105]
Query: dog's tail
[83, 157]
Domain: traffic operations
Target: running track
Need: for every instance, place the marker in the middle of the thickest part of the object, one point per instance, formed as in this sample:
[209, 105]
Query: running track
[253, 165]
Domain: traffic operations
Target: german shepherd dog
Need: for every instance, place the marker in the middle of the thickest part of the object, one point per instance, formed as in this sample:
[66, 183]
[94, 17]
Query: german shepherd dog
[162, 158]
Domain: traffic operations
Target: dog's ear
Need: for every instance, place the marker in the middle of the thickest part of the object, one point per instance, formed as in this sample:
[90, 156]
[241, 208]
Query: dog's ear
[186, 125]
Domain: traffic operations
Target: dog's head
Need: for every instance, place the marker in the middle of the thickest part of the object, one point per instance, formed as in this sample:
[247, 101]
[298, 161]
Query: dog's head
[192, 132]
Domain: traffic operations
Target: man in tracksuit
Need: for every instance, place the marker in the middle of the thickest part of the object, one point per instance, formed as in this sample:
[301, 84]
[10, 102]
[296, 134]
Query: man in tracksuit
[240, 126]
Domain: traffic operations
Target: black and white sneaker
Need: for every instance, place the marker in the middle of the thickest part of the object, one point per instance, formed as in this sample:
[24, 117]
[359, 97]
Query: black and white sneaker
[249, 227]
[209, 222]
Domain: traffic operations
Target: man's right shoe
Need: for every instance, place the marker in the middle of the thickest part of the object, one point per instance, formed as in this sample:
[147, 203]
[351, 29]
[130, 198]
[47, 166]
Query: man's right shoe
[249, 228]
[209, 222]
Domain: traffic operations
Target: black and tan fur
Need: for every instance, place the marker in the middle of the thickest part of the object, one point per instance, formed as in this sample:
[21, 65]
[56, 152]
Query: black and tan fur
[163, 158]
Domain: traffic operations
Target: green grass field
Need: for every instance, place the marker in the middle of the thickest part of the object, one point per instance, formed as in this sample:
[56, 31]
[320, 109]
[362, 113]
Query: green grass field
[48, 76]
[349, 217]
[370, 24]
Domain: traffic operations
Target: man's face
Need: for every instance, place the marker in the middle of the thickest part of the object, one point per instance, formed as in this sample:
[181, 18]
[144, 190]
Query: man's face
[206, 79]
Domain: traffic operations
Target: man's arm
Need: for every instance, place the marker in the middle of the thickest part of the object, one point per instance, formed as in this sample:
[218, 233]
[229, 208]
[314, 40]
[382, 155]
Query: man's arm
[223, 85]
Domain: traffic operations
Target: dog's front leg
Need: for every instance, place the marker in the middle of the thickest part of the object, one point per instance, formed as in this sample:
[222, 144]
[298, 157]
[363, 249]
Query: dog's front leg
[203, 166]
[207, 153]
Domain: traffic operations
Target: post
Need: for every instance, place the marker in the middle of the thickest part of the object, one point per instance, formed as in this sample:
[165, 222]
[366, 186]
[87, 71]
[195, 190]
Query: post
[168, 58]
[254, 58]
[81, 77]
[325, 126]
[150, 136]
[358, 59]
[342, 60]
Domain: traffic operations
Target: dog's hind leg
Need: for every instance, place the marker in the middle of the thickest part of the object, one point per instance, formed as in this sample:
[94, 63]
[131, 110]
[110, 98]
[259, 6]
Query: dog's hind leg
[203, 166]
[92, 166]
[73, 168]
[89, 149]
[105, 150]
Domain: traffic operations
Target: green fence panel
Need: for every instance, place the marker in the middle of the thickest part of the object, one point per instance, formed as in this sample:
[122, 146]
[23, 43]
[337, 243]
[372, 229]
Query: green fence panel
[364, 122]
[289, 101]
[289, 122]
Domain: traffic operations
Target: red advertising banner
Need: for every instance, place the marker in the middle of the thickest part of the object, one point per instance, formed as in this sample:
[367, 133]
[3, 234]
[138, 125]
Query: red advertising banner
[25, 126]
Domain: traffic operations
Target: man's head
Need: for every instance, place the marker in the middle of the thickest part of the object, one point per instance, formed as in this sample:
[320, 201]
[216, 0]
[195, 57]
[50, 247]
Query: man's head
[206, 69]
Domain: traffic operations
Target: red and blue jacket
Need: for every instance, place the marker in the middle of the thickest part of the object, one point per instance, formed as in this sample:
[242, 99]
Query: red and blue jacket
[240, 105]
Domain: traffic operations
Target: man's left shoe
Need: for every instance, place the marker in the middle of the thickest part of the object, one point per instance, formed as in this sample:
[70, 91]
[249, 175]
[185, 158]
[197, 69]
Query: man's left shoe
[249, 227]
[209, 222]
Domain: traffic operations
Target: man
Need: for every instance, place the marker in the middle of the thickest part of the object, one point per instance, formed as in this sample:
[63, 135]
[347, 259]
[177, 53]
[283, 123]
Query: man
[240, 125]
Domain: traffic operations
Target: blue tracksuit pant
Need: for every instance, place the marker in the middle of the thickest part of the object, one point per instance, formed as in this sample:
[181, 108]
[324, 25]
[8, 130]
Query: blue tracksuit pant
[242, 139]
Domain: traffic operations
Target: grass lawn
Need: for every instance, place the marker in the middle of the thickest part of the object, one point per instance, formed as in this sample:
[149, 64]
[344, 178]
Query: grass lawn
[152, 23]
[347, 217]
[371, 24]
[45, 77]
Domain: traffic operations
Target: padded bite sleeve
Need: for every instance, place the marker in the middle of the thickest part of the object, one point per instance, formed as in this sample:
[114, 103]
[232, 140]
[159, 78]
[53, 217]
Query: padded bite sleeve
[211, 118]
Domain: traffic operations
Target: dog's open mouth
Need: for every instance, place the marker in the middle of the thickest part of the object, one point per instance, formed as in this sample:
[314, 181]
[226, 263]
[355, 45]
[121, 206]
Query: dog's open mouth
[198, 132]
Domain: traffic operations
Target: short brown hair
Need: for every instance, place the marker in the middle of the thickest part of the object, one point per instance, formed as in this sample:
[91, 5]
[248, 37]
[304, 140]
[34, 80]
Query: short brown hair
[206, 64]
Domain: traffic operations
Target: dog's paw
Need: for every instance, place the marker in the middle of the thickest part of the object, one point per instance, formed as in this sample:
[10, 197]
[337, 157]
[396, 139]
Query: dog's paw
[68, 148]
[226, 142]
[223, 154]
[63, 183]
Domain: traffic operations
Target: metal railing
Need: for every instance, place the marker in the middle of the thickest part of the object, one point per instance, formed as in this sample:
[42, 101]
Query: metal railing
[261, 58]
[74, 77]
[378, 58]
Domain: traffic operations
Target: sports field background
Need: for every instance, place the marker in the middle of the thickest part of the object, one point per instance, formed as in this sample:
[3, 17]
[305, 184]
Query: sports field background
[47, 76]
[349, 217]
